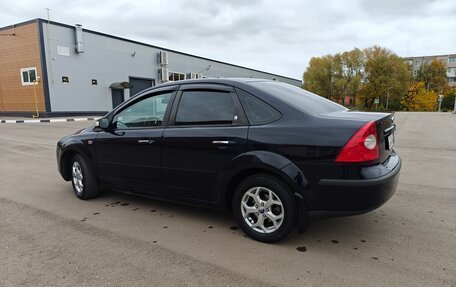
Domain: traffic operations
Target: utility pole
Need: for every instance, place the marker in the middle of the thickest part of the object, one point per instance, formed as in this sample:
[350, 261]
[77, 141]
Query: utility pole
[454, 109]
[49, 47]
[387, 97]
[440, 101]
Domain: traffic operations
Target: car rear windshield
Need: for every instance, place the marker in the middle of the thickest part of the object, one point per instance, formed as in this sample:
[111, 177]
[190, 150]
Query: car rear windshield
[304, 100]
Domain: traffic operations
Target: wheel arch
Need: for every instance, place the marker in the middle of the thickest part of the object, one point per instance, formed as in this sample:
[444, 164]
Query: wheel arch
[263, 162]
[68, 154]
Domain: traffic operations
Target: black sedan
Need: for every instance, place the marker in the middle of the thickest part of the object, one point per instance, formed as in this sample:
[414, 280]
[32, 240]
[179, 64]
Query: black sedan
[275, 155]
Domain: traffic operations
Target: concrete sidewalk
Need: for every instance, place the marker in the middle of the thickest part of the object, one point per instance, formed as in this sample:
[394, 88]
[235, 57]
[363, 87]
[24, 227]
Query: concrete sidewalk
[23, 120]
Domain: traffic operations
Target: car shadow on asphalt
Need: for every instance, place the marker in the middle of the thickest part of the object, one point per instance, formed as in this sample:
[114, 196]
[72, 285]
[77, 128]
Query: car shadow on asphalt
[338, 230]
[113, 198]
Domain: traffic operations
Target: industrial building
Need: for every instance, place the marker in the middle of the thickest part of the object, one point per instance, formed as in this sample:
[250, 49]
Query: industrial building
[59, 69]
[449, 61]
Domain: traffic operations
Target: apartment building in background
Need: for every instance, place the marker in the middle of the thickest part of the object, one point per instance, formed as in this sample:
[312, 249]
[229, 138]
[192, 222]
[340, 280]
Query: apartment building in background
[448, 60]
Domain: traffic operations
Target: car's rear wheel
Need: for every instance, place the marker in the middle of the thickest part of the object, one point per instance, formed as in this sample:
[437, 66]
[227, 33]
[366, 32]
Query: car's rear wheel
[264, 208]
[85, 185]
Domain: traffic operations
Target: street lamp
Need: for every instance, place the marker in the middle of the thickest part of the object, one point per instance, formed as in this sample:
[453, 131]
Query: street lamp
[387, 97]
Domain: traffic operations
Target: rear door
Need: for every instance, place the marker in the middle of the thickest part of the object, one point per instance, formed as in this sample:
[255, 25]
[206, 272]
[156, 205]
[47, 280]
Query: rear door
[207, 130]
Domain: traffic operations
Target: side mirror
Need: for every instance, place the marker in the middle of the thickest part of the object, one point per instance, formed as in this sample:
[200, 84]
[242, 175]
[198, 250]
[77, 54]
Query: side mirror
[103, 123]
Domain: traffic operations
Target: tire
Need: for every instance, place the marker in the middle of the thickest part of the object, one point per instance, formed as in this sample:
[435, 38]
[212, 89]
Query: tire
[272, 221]
[85, 185]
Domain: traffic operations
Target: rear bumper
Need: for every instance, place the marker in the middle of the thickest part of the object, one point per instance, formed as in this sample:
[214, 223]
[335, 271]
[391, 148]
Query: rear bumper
[338, 197]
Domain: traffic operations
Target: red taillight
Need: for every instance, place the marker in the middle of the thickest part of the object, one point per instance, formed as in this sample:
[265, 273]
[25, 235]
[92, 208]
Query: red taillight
[363, 146]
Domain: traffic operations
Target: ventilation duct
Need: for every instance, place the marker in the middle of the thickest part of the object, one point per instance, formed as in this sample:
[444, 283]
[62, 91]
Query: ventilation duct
[79, 43]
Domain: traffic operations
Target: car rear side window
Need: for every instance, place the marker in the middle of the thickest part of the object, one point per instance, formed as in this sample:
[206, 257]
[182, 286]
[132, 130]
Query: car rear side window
[258, 112]
[303, 100]
[205, 108]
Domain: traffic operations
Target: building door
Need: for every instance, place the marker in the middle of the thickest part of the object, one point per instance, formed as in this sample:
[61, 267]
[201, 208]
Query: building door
[140, 84]
[117, 97]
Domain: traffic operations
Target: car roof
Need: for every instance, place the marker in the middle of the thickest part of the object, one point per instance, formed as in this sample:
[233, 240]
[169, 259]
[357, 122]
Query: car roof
[226, 81]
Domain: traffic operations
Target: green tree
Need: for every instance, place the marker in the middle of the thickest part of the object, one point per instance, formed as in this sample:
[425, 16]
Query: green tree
[363, 75]
[335, 76]
[418, 98]
[321, 76]
[448, 99]
[384, 74]
[434, 76]
[352, 63]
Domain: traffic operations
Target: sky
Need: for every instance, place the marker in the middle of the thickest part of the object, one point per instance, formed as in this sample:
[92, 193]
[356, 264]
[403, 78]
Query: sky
[274, 36]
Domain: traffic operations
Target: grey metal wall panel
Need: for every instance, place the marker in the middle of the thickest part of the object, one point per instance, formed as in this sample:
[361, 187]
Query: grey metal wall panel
[110, 60]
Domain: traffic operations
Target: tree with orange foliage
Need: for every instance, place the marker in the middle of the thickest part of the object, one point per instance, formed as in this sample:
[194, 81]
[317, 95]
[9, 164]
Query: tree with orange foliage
[418, 98]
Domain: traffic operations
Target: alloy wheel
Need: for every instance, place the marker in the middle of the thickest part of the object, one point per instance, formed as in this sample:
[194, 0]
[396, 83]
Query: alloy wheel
[78, 182]
[262, 210]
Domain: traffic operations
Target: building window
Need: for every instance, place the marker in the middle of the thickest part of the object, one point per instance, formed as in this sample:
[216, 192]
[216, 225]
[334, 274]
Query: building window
[417, 63]
[451, 80]
[172, 76]
[28, 75]
[451, 59]
[451, 71]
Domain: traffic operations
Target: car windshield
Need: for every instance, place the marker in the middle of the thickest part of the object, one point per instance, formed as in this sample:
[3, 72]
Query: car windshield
[304, 100]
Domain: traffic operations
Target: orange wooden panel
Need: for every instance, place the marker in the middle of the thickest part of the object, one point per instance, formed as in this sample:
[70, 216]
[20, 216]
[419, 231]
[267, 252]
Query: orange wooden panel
[16, 52]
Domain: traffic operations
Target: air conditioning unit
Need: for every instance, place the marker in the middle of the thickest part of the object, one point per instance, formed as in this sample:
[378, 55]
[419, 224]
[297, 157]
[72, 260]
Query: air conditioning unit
[163, 74]
[163, 58]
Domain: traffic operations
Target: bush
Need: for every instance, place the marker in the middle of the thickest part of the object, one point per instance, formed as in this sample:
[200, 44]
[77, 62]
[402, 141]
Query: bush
[448, 99]
[395, 105]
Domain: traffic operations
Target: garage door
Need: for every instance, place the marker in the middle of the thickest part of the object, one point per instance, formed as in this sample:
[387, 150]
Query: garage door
[140, 84]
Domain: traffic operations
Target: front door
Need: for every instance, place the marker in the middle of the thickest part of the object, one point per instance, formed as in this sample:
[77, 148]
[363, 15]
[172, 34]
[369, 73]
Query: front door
[117, 97]
[206, 132]
[129, 153]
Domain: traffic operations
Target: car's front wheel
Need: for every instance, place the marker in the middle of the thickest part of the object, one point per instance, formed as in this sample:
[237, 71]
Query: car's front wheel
[265, 208]
[85, 185]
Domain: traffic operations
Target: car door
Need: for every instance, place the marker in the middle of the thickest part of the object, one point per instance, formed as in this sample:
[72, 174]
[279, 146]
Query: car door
[206, 131]
[129, 152]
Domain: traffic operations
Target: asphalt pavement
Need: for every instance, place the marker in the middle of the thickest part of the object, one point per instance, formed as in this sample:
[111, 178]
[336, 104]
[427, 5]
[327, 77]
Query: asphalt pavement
[48, 237]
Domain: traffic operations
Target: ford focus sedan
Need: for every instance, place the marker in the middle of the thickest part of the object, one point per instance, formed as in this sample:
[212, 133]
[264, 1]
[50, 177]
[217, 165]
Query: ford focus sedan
[273, 154]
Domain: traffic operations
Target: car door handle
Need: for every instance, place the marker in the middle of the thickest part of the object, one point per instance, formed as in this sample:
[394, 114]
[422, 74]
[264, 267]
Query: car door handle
[146, 141]
[223, 142]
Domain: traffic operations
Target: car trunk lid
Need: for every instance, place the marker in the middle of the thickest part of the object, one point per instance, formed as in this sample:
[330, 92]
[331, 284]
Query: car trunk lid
[384, 123]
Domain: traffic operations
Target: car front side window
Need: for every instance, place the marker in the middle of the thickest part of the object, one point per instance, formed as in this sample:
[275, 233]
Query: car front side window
[148, 112]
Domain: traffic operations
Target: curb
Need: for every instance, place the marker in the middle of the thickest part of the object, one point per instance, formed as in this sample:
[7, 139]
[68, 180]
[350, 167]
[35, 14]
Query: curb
[48, 120]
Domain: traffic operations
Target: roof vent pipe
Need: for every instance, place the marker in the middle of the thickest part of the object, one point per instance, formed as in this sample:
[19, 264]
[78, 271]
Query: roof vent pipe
[79, 43]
